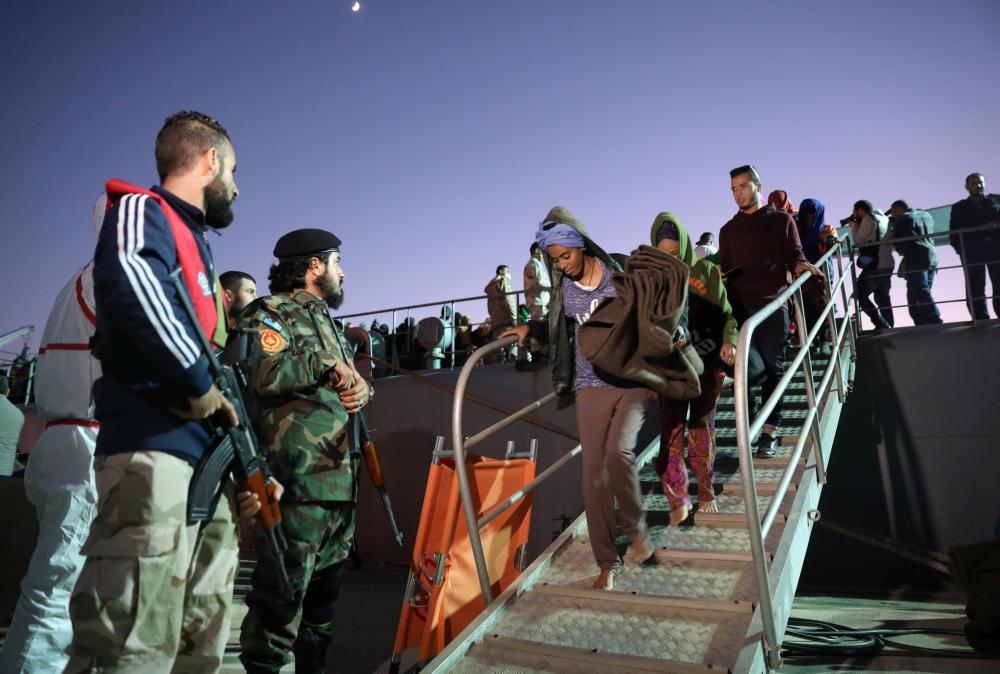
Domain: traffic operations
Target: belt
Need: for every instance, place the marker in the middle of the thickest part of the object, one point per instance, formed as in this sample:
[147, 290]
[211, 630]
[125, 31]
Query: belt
[73, 422]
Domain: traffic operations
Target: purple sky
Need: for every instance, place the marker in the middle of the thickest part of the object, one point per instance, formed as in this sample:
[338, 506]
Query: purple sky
[431, 136]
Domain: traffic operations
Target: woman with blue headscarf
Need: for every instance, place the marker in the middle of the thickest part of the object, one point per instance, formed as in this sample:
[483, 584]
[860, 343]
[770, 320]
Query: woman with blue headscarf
[816, 237]
[609, 412]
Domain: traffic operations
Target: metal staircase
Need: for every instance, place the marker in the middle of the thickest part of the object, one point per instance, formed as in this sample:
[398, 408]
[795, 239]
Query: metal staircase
[700, 607]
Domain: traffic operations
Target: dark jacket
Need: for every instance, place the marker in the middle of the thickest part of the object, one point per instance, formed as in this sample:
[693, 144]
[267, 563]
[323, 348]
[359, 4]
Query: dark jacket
[632, 336]
[150, 355]
[975, 212]
[920, 254]
[764, 245]
[556, 328]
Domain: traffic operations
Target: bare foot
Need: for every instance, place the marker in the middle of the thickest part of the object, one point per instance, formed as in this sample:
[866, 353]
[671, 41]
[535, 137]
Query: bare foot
[605, 580]
[708, 507]
[641, 551]
[678, 515]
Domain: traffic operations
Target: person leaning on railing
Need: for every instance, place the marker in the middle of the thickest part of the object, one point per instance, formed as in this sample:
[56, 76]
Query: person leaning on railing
[919, 265]
[869, 226]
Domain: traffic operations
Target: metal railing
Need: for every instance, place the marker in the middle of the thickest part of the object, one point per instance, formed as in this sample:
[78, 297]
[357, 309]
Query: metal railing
[460, 443]
[28, 383]
[747, 430]
[852, 248]
[452, 354]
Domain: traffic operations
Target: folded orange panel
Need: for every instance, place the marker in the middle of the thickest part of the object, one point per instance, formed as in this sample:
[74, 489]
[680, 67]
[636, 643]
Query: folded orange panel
[443, 594]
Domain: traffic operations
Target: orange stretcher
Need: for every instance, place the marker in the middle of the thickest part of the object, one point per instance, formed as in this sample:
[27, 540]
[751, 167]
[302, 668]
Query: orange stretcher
[443, 594]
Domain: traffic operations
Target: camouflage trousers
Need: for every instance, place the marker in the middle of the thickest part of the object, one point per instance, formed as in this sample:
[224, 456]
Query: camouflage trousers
[319, 538]
[155, 592]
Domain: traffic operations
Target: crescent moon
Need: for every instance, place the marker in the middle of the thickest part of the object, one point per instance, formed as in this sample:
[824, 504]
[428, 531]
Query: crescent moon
[356, 7]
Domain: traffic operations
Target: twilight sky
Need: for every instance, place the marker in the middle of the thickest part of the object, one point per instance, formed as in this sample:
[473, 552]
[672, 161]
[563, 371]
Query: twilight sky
[432, 135]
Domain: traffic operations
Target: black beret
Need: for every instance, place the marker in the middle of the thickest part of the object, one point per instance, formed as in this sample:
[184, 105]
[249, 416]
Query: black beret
[305, 242]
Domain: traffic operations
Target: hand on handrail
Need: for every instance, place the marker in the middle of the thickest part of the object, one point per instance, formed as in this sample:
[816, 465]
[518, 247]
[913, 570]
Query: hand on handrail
[521, 332]
[803, 267]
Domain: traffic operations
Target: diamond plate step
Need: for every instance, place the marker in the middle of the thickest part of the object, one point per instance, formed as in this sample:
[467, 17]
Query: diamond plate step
[496, 655]
[640, 630]
[678, 574]
[727, 479]
[628, 600]
[732, 511]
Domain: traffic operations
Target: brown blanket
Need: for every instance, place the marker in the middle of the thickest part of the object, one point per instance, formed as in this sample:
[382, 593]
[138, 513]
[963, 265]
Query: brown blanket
[633, 335]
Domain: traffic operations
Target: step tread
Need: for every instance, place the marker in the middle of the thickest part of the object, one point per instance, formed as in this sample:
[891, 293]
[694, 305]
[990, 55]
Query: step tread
[516, 656]
[648, 631]
[707, 579]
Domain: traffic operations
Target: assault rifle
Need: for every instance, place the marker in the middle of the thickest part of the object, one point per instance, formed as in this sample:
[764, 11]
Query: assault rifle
[375, 470]
[362, 442]
[233, 450]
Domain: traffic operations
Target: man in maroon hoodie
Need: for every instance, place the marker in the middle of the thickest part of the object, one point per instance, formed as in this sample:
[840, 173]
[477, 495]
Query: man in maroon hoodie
[756, 248]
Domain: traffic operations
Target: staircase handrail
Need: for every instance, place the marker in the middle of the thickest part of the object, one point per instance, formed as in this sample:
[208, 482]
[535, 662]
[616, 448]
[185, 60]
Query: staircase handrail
[459, 445]
[745, 430]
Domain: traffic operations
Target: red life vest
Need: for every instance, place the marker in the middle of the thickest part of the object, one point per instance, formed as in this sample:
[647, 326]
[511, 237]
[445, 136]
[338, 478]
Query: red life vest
[202, 290]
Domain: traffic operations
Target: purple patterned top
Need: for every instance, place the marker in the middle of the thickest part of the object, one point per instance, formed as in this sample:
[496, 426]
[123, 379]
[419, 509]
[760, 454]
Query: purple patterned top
[578, 304]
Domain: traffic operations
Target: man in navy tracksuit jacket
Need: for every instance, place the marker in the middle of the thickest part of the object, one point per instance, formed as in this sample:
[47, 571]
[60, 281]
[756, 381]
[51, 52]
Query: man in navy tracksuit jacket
[154, 594]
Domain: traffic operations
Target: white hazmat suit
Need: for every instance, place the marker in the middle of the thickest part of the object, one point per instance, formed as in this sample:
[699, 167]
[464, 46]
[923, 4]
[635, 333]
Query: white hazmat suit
[59, 482]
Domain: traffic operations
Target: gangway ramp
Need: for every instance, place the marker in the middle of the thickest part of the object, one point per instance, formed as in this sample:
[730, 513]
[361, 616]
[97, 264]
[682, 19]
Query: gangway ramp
[700, 607]
[694, 611]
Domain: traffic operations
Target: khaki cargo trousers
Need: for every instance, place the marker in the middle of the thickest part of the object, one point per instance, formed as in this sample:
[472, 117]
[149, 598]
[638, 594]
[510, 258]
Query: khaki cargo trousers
[155, 592]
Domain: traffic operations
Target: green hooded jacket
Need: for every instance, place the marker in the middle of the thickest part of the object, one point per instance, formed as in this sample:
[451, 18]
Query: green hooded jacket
[557, 330]
[710, 317]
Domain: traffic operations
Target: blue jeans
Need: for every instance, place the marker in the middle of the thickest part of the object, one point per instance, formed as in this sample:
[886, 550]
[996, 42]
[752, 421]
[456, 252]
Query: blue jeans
[923, 311]
[877, 281]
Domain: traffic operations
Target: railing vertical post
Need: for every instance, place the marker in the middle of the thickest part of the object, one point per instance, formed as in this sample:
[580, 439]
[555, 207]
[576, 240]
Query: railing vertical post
[969, 299]
[392, 335]
[835, 352]
[458, 445]
[856, 325]
[409, 334]
[741, 387]
[31, 381]
[454, 334]
[808, 376]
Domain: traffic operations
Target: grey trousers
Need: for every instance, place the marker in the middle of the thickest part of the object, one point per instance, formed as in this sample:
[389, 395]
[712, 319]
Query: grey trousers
[609, 419]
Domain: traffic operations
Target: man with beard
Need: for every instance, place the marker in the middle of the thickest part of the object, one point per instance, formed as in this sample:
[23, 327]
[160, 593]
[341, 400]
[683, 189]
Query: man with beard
[980, 251]
[238, 290]
[154, 594]
[303, 389]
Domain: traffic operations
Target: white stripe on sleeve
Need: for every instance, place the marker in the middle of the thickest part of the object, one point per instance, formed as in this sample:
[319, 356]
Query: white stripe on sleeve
[155, 312]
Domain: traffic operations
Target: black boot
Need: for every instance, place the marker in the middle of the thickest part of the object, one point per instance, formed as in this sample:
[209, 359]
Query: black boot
[310, 658]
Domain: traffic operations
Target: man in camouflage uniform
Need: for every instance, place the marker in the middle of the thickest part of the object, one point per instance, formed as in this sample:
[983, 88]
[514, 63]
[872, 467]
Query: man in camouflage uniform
[304, 387]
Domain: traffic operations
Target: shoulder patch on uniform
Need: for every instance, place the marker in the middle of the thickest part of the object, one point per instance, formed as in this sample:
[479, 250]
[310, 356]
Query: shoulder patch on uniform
[271, 341]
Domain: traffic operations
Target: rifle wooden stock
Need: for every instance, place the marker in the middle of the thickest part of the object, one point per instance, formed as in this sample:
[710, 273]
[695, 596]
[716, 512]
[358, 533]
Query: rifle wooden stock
[270, 513]
[374, 466]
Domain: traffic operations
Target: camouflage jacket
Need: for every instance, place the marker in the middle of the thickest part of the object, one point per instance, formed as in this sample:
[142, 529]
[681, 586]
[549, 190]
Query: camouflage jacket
[300, 421]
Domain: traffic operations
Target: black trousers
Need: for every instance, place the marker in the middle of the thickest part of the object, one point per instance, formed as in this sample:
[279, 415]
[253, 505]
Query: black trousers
[976, 272]
[767, 358]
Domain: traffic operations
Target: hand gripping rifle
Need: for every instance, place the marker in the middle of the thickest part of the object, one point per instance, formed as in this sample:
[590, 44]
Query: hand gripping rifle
[362, 440]
[233, 450]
